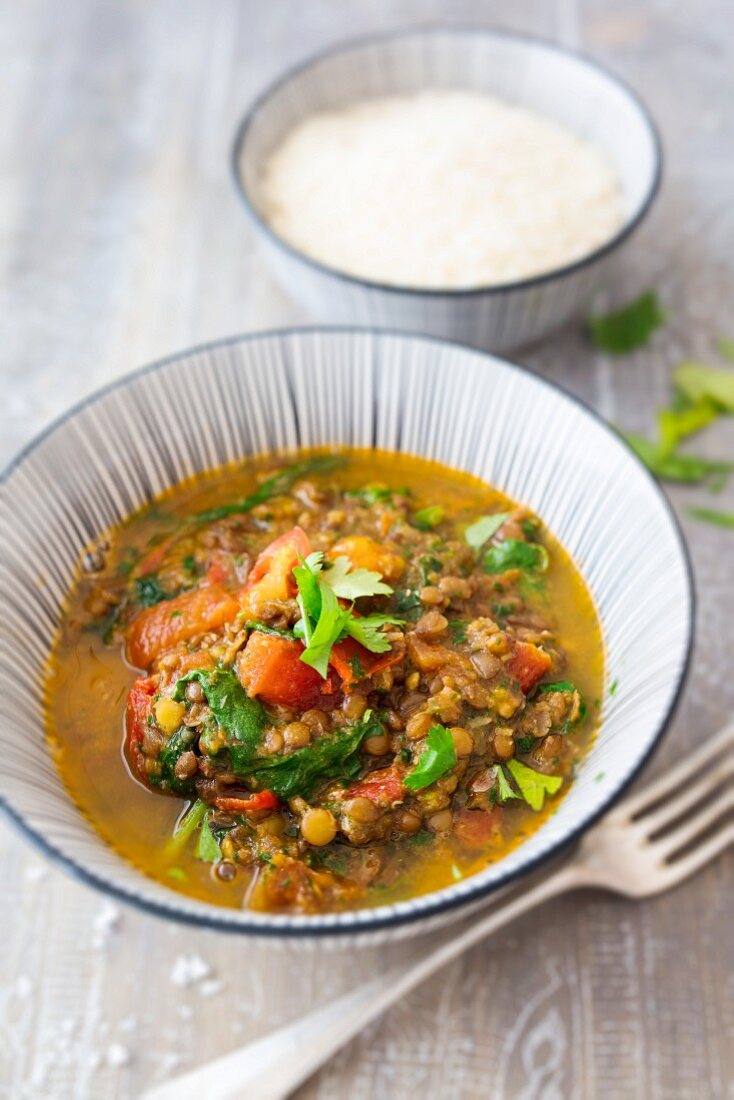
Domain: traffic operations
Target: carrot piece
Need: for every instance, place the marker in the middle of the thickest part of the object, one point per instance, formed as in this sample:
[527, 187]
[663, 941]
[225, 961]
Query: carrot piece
[353, 662]
[271, 577]
[383, 787]
[172, 621]
[271, 668]
[139, 707]
[365, 553]
[528, 665]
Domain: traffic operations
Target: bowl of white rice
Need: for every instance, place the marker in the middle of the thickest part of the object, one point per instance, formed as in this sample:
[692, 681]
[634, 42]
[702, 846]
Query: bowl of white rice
[471, 184]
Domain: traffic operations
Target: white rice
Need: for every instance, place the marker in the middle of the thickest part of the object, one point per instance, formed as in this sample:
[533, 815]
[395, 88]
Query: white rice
[439, 189]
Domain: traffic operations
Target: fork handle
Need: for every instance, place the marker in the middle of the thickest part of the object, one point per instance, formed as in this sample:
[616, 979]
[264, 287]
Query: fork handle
[272, 1067]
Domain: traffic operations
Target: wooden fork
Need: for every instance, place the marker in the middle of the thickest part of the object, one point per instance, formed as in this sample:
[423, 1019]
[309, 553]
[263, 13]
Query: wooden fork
[645, 846]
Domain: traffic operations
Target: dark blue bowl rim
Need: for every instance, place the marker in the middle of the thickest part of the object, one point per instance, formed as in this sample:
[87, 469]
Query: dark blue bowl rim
[433, 905]
[623, 233]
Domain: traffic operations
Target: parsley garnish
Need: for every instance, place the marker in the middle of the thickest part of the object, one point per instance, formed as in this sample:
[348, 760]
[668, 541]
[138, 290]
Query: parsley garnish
[484, 528]
[438, 757]
[533, 786]
[629, 328]
[504, 790]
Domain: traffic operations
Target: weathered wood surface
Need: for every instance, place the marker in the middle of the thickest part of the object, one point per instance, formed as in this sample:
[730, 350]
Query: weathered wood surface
[122, 241]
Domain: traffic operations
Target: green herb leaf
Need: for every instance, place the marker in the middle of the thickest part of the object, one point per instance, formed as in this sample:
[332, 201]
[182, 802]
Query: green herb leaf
[629, 328]
[504, 790]
[243, 719]
[333, 757]
[482, 531]
[186, 826]
[726, 348]
[352, 584]
[407, 601]
[376, 494]
[457, 628]
[148, 591]
[688, 469]
[711, 515]
[558, 685]
[676, 424]
[176, 745]
[208, 846]
[367, 630]
[274, 486]
[699, 382]
[331, 622]
[438, 758]
[533, 786]
[428, 518]
[516, 554]
[266, 628]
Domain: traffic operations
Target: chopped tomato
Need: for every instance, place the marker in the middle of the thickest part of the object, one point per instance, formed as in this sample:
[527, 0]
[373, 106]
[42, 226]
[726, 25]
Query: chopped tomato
[247, 804]
[528, 665]
[477, 828]
[353, 662]
[383, 787]
[365, 553]
[271, 668]
[220, 570]
[271, 577]
[154, 557]
[139, 707]
[172, 621]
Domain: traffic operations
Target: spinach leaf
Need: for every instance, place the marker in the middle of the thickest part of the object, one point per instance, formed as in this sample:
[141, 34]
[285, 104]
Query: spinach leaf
[407, 602]
[628, 328]
[376, 494]
[273, 486]
[148, 591]
[300, 772]
[243, 719]
[438, 757]
[187, 826]
[532, 785]
[516, 554]
[558, 685]
[265, 628]
[177, 744]
[208, 846]
[480, 532]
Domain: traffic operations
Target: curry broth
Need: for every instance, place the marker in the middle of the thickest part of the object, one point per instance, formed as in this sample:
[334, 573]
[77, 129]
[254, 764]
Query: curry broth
[88, 682]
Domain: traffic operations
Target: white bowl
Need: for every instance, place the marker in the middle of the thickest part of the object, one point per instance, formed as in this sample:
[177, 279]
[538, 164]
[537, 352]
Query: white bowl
[562, 85]
[114, 452]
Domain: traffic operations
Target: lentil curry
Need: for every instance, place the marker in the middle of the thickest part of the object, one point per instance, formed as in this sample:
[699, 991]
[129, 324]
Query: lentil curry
[329, 683]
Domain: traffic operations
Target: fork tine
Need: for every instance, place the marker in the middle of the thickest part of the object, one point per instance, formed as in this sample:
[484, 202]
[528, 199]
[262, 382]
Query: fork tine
[694, 825]
[673, 779]
[682, 868]
[691, 795]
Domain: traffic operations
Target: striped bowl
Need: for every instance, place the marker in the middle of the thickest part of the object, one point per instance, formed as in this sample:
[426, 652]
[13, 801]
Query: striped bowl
[283, 390]
[539, 75]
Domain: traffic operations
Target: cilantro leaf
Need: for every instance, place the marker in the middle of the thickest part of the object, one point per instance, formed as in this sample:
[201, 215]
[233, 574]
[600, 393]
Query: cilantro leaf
[628, 328]
[428, 518]
[504, 790]
[273, 486]
[711, 515]
[533, 786]
[438, 757]
[480, 532]
[516, 554]
[351, 584]
[208, 845]
[331, 622]
[697, 382]
[367, 631]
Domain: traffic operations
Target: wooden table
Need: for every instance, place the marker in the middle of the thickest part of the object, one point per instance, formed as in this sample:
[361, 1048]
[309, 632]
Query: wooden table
[123, 241]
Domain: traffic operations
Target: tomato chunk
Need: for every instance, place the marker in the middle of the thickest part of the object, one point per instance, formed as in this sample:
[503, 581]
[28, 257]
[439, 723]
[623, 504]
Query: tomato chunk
[271, 577]
[477, 828]
[139, 706]
[354, 663]
[528, 665]
[271, 668]
[383, 787]
[247, 804]
[166, 624]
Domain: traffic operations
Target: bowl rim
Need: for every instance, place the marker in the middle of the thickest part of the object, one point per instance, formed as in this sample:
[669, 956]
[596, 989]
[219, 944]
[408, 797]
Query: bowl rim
[627, 228]
[434, 904]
